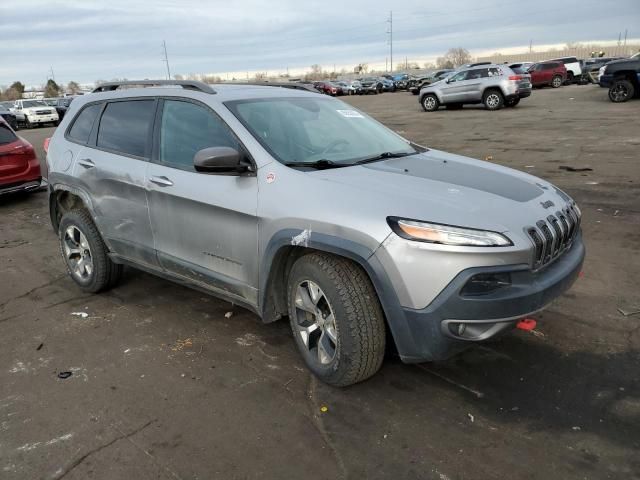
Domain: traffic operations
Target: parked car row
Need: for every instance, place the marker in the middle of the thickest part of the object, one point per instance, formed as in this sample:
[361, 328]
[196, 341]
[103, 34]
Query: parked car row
[27, 113]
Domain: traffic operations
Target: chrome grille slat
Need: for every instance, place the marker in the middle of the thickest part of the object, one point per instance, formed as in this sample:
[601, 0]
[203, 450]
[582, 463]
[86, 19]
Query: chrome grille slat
[553, 235]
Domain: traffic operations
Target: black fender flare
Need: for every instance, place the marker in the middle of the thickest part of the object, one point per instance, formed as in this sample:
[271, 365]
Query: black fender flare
[362, 255]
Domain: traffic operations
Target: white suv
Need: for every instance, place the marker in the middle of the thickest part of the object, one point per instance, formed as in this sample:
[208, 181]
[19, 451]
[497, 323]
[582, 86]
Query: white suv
[36, 112]
[574, 71]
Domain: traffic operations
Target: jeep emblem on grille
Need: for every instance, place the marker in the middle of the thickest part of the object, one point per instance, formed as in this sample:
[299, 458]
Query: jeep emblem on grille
[547, 204]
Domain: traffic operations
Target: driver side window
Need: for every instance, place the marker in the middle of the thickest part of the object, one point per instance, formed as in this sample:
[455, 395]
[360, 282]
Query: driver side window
[185, 129]
[459, 77]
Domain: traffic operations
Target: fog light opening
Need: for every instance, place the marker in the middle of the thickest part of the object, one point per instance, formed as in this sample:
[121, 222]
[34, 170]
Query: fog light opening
[486, 283]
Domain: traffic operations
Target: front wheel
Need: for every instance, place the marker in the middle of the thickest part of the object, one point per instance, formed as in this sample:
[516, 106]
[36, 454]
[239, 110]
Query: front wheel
[85, 253]
[336, 319]
[556, 82]
[430, 103]
[621, 91]
[493, 100]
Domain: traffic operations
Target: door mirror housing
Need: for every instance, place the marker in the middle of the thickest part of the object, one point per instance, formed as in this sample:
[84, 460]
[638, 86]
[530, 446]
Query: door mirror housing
[223, 160]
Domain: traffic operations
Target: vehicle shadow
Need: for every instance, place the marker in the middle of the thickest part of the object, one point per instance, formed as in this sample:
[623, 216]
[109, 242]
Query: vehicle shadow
[522, 378]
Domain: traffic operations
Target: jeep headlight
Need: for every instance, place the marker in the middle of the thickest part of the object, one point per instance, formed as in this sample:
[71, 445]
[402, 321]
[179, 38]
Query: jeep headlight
[446, 234]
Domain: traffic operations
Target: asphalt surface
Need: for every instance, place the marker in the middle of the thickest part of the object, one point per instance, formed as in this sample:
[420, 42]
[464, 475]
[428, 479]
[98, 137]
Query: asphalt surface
[165, 384]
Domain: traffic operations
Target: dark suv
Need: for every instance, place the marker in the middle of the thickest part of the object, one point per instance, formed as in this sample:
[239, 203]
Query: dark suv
[622, 77]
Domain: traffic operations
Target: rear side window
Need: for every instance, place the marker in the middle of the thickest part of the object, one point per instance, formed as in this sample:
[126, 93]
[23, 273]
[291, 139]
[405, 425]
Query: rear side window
[6, 134]
[550, 66]
[187, 128]
[82, 125]
[125, 127]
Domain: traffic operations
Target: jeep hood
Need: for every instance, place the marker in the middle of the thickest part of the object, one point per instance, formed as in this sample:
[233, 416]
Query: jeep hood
[440, 187]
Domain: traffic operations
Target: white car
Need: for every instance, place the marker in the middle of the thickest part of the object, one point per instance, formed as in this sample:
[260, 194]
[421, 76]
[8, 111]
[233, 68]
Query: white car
[35, 112]
[574, 71]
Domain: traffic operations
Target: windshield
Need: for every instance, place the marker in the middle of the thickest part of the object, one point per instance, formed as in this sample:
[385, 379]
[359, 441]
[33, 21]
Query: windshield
[308, 129]
[33, 103]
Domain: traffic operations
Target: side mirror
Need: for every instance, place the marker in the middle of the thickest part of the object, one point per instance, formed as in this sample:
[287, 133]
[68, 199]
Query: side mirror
[221, 160]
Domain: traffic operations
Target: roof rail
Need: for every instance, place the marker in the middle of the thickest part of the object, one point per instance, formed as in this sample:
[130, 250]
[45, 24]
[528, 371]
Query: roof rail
[291, 85]
[186, 84]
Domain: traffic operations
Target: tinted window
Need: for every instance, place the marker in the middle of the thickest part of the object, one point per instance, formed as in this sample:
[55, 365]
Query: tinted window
[124, 126]
[459, 76]
[477, 73]
[187, 128]
[6, 135]
[83, 123]
[550, 66]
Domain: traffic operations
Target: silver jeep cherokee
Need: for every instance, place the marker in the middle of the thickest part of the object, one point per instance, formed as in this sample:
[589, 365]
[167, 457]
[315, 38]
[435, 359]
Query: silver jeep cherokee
[495, 86]
[291, 203]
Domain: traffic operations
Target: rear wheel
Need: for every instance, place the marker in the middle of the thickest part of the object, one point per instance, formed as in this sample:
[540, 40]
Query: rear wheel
[621, 90]
[513, 102]
[336, 319]
[493, 100]
[556, 82]
[85, 253]
[430, 103]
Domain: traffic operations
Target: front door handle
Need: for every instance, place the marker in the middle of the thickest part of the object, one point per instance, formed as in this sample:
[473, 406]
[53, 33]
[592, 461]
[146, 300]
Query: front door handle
[162, 181]
[87, 163]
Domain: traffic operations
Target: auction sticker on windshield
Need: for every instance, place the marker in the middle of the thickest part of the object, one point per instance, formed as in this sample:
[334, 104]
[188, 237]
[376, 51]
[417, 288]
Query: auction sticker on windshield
[350, 113]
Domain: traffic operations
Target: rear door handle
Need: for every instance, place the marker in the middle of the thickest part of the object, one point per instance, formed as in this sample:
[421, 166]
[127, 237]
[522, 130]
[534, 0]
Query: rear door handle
[162, 181]
[87, 163]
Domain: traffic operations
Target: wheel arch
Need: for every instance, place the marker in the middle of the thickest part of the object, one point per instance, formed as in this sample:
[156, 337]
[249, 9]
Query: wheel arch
[63, 198]
[630, 75]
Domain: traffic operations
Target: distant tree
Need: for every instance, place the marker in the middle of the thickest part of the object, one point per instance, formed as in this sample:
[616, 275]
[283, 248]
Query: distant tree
[178, 77]
[260, 76]
[51, 89]
[573, 45]
[429, 66]
[18, 87]
[444, 62]
[315, 68]
[11, 94]
[458, 56]
[73, 88]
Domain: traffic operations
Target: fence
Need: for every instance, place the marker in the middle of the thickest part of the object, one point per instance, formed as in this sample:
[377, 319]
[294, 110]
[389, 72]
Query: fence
[581, 52]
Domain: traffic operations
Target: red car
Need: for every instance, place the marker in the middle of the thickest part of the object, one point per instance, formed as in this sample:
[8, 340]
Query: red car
[19, 166]
[328, 88]
[548, 73]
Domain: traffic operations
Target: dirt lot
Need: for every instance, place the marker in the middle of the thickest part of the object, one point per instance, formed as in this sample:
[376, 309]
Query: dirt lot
[165, 386]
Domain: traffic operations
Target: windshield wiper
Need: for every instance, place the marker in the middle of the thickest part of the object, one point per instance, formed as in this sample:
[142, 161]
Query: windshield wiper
[318, 164]
[383, 156]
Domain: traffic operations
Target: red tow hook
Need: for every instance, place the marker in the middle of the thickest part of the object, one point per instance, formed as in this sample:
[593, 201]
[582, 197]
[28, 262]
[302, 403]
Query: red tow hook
[526, 324]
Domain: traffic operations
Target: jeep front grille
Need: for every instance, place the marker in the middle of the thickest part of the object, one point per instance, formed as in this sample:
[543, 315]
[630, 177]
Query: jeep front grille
[553, 235]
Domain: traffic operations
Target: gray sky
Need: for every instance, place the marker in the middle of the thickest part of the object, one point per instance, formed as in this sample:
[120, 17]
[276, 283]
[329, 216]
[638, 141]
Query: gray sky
[90, 40]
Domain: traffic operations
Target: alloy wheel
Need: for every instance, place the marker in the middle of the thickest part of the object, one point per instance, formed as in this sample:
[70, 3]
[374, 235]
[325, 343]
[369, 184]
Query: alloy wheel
[493, 100]
[429, 103]
[77, 253]
[315, 322]
[619, 93]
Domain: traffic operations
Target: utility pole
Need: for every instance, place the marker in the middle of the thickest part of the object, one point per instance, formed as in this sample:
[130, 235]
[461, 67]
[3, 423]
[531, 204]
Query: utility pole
[625, 37]
[530, 46]
[166, 59]
[619, 38]
[390, 32]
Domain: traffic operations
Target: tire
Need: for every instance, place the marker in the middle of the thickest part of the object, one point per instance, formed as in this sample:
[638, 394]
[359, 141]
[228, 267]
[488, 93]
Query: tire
[493, 100]
[27, 123]
[97, 271]
[556, 81]
[621, 90]
[513, 102]
[350, 347]
[430, 102]
[570, 78]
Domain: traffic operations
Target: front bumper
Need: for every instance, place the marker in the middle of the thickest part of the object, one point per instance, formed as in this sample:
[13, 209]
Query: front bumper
[433, 333]
[605, 80]
[43, 118]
